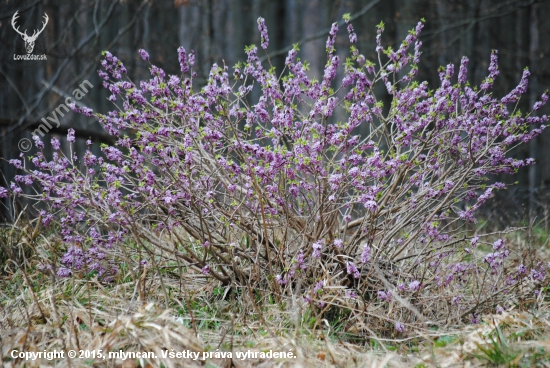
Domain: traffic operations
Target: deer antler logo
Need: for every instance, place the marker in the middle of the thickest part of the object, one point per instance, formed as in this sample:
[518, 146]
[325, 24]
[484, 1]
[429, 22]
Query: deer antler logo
[29, 40]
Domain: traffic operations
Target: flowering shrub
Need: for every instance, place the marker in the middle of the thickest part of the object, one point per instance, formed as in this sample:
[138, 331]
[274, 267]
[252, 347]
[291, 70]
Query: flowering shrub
[274, 194]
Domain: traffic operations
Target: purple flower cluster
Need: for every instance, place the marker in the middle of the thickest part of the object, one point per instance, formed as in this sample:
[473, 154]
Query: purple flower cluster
[399, 327]
[263, 31]
[144, 54]
[77, 260]
[384, 295]
[352, 270]
[317, 247]
[365, 256]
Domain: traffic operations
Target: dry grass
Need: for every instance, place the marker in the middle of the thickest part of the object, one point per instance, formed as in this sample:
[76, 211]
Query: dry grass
[188, 313]
[518, 338]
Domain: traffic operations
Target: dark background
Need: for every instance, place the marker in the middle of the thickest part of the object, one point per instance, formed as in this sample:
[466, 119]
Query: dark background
[218, 30]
